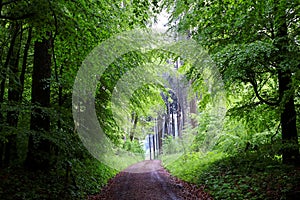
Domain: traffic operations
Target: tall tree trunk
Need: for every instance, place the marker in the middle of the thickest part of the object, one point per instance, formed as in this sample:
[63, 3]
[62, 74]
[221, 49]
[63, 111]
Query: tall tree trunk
[160, 125]
[14, 90]
[179, 124]
[39, 154]
[134, 122]
[288, 120]
[2, 84]
[173, 122]
[60, 97]
[166, 123]
[24, 63]
[286, 92]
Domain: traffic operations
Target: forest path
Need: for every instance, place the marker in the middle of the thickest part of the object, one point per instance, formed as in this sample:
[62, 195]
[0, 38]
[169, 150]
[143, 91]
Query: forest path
[148, 180]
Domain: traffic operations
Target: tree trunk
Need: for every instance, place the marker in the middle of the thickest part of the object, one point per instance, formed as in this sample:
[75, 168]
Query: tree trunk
[286, 91]
[160, 124]
[179, 124]
[14, 90]
[134, 121]
[24, 63]
[2, 85]
[39, 155]
[288, 120]
[60, 97]
[173, 122]
[166, 123]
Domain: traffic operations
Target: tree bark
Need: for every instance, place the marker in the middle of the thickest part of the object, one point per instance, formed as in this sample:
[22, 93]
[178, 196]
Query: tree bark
[14, 90]
[16, 87]
[290, 153]
[60, 97]
[160, 124]
[2, 85]
[179, 124]
[39, 148]
[172, 122]
[24, 63]
[134, 120]
[288, 120]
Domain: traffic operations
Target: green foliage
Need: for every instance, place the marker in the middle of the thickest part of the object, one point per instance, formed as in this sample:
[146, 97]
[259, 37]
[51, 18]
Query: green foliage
[115, 113]
[76, 28]
[172, 145]
[249, 175]
[191, 164]
[238, 163]
[90, 176]
[85, 177]
[133, 146]
[252, 44]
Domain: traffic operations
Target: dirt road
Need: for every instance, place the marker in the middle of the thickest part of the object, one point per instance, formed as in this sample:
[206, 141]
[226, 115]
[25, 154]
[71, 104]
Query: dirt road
[149, 180]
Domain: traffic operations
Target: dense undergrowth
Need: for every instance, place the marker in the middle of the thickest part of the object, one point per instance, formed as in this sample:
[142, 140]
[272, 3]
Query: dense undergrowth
[245, 175]
[71, 180]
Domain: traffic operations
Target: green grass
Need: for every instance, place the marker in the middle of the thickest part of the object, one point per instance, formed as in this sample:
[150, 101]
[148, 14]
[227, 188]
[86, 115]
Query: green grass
[190, 164]
[250, 175]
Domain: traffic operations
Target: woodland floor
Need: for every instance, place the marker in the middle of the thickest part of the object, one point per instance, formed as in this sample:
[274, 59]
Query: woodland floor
[149, 180]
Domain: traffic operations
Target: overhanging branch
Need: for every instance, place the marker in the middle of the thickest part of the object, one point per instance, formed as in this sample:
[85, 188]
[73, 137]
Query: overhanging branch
[255, 87]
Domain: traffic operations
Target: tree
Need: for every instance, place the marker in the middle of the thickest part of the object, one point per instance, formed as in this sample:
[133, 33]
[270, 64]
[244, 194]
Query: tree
[9, 69]
[39, 147]
[60, 36]
[254, 43]
[13, 97]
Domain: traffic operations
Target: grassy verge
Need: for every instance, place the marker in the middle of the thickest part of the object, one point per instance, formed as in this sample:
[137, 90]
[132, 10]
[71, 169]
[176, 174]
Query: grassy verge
[250, 175]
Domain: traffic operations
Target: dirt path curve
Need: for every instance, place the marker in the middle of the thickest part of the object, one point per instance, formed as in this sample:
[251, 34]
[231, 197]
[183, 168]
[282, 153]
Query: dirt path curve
[149, 180]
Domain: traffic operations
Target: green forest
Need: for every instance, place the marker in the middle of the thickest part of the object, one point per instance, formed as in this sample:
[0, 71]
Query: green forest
[222, 111]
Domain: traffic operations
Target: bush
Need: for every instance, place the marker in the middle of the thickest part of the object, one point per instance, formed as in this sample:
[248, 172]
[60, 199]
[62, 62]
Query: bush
[85, 177]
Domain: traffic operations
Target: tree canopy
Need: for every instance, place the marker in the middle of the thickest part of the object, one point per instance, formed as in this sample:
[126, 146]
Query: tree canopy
[256, 48]
[251, 57]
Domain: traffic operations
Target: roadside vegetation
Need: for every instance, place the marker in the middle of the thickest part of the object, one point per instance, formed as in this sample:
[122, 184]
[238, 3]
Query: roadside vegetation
[243, 112]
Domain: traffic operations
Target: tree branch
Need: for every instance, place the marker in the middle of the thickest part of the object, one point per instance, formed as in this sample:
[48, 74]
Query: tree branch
[268, 67]
[277, 130]
[266, 34]
[249, 105]
[255, 87]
